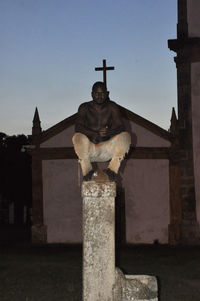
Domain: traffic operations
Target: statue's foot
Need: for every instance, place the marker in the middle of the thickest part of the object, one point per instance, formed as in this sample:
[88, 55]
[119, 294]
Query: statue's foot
[100, 176]
[89, 175]
[111, 174]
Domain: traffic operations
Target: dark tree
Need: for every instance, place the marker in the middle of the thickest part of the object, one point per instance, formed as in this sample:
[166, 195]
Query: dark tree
[15, 173]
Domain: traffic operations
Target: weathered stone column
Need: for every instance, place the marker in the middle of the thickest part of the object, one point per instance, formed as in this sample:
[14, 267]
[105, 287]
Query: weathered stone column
[102, 281]
[98, 240]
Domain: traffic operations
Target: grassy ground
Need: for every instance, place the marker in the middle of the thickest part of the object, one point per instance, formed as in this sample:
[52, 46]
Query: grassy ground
[53, 273]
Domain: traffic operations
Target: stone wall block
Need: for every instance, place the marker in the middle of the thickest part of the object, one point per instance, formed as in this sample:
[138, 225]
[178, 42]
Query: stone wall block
[134, 287]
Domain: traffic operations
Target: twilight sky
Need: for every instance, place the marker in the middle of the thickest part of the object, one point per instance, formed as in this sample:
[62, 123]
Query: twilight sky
[49, 49]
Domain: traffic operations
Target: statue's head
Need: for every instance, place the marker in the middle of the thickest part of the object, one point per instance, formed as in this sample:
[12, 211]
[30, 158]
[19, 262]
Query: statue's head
[99, 93]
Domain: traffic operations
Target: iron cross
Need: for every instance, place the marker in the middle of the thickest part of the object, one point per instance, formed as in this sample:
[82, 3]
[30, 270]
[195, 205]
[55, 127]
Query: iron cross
[104, 69]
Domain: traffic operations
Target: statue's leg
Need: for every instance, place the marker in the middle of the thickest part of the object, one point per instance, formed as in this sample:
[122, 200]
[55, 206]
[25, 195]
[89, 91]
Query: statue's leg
[82, 147]
[121, 144]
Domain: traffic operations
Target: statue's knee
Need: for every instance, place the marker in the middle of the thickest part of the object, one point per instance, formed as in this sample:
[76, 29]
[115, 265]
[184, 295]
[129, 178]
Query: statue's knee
[79, 139]
[124, 140]
[126, 137]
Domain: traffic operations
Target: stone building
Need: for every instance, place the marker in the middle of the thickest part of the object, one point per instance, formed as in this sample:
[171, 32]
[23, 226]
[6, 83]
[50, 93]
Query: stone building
[159, 194]
[187, 46]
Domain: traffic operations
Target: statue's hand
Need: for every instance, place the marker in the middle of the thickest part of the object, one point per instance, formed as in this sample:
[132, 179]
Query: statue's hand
[103, 132]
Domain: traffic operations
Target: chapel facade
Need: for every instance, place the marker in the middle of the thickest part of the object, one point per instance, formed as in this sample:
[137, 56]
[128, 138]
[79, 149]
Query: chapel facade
[158, 196]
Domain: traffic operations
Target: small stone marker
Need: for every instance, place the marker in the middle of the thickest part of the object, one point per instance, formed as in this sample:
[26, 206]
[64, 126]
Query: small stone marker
[101, 280]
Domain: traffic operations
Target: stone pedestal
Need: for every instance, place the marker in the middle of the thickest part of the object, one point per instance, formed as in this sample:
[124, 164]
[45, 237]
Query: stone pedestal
[98, 240]
[101, 280]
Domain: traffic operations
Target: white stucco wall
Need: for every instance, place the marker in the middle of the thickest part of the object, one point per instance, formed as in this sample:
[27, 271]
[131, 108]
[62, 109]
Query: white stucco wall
[195, 78]
[146, 193]
[193, 11]
[62, 201]
[63, 139]
[143, 138]
[147, 200]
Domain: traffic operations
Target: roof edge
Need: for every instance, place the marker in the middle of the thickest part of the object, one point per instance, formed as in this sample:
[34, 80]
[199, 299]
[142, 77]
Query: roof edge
[57, 128]
[150, 126]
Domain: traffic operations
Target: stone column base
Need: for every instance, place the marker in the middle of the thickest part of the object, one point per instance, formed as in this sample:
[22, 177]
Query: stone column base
[134, 287]
[39, 234]
[174, 231]
[185, 233]
[98, 240]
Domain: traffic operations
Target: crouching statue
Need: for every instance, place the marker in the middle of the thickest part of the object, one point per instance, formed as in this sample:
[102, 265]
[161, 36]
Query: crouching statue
[100, 134]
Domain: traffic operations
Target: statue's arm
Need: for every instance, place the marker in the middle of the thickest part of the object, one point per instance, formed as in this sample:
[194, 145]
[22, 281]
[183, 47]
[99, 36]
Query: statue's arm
[117, 125]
